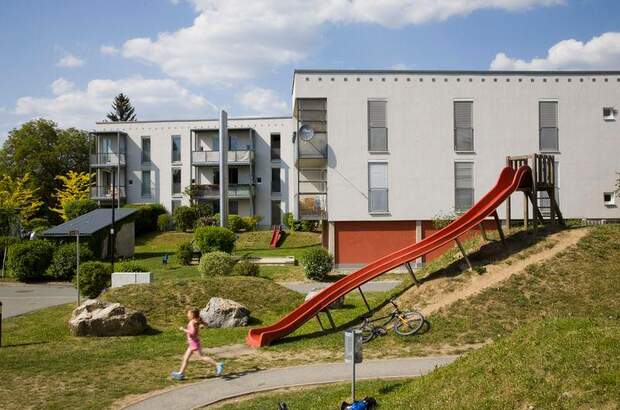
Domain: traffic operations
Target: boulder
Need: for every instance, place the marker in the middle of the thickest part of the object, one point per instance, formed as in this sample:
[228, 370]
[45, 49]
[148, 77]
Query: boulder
[99, 318]
[221, 312]
[338, 303]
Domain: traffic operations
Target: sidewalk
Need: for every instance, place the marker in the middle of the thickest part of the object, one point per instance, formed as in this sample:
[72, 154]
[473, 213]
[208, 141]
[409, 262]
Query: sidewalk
[214, 390]
[18, 298]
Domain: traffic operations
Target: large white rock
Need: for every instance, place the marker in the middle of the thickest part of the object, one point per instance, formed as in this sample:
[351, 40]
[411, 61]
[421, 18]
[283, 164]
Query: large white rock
[99, 318]
[338, 303]
[221, 312]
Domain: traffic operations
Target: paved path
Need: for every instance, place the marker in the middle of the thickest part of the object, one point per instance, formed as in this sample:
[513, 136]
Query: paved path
[217, 389]
[18, 299]
[375, 286]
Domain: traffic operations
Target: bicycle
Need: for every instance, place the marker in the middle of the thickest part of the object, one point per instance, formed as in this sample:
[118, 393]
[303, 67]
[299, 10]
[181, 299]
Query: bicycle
[406, 323]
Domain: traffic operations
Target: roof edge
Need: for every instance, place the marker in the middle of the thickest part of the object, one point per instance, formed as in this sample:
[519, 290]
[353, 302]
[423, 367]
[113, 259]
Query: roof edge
[194, 120]
[458, 72]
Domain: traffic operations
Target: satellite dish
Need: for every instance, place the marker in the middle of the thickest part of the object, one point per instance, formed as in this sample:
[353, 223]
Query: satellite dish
[306, 133]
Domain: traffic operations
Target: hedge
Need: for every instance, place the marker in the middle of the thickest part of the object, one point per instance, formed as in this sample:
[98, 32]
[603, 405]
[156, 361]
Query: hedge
[94, 278]
[78, 207]
[216, 264]
[214, 238]
[185, 218]
[63, 265]
[146, 217]
[28, 260]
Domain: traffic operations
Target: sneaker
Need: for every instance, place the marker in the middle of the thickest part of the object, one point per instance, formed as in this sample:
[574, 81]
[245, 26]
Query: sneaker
[177, 376]
[219, 369]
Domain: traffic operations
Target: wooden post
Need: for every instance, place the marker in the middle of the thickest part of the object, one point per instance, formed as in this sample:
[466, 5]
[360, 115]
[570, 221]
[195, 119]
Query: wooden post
[460, 245]
[364, 298]
[483, 231]
[331, 320]
[534, 192]
[508, 209]
[499, 227]
[551, 193]
[320, 323]
[410, 269]
[526, 211]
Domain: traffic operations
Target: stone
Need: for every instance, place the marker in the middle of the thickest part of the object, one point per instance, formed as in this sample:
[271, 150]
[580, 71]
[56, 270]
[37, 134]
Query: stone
[338, 303]
[221, 312]
[96, 317]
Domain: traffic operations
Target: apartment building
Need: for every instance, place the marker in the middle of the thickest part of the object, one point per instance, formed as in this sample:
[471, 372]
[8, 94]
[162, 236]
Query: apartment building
[377, 155]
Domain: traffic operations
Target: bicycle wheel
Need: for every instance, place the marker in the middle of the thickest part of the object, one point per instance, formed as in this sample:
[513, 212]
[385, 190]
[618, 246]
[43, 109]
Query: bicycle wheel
[368, 332]
[408, 323]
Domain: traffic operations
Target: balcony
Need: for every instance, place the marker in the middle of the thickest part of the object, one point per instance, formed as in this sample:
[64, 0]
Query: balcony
[107, 159]
[104, 193]
[313, 206]
[212, 158]
[235, 191]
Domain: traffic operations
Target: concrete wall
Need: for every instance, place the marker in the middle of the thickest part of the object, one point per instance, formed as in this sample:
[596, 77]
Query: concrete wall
[420, 127]
[161, 133]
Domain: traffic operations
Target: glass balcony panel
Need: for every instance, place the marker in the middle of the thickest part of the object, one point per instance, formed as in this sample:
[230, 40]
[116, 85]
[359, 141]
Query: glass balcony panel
[313, 206]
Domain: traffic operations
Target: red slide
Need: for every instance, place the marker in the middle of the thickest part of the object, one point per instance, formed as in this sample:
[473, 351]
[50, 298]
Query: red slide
[509, 180]
[275, 236]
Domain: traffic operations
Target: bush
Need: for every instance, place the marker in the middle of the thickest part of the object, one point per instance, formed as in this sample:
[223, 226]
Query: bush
[164, 222]
[78, 207]
[185, 251]
[214, 238]
[203, 210]
[147, 217]
[206, 221]
[64, 260]
[245, 268]
[294, 225]
[5, 242]
[185, 218]
[216, 264]
[288, 219]
[236, 223]
[130, 266]
[309, 226]
[317, 263]
[251, 222]
[28, 260]
[94, 278]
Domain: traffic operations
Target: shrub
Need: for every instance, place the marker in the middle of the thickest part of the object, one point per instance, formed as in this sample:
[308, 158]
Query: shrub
[206, 221]
[164, 222]
[245, 268]
[147, 217]
[130, 266]
[288, 219]
[309, 226]
[28, 260]
[203, 210]
[216, 264]
[64, 260]
[78, 207]
[185, 218]
[185, 251]
[317, 263]
[443, 219]
[294, 225]
[236, 223]
[214, 238]
[251, 222]
[94, 278]
[5, 242]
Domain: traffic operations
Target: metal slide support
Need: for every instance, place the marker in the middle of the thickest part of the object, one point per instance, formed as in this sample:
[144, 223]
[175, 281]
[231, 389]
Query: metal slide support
[331, 319]
[483, 232]
[320, 323]
[460, 245]
[364, 298]
[410, 270]
[499, 227]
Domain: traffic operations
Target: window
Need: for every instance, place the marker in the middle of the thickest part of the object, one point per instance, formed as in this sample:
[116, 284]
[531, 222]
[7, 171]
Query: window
[275, 181]
[275, 147]
[176, 148]
[176, 203]
[233, 207]
[276, 213]
[609, 113]
[233, 176]
[609, 198]
[463, 186]
[146, 149]
[377, 126]
[463, 126]
[146, 183]
[176, 181]
[378, 187]
[548, 125]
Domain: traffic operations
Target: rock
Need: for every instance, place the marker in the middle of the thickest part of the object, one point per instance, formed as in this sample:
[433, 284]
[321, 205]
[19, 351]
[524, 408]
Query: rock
[338, 303]
[221, 312]
[98, 318]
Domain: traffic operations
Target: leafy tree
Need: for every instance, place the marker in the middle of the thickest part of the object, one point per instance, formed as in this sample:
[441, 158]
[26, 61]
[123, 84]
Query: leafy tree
[76, 187]
[77, 207]
[16, 195]
[42, 150]
[192, 192]
[123, 110]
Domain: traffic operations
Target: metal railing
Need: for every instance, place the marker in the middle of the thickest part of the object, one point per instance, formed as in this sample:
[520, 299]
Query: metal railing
[234, 191]
[105, 192]
[212, 157]
[111, 159]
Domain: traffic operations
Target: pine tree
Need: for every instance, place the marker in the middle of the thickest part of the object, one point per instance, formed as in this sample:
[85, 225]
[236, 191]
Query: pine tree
[123, 110]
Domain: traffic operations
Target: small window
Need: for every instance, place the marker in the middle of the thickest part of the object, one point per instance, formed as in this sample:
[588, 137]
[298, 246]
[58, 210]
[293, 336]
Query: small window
[176, 148]
[463, 126]
[275, 147]
[146, 149]
[377, 126]
[259, 180]
[276, 213]
[378, 187]
[233, 207]
[275, 181]
[548, 126]
[176, 181]
[176, 203]
[146, 184]
[463, 186]
[609, 113]
[609, 198]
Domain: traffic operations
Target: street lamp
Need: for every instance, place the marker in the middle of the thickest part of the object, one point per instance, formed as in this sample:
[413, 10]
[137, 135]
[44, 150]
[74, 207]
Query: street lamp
[76, 232]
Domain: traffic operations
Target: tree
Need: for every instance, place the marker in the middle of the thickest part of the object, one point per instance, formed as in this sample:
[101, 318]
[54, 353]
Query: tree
[76, 187]
[17, 196]
[42, 150]
[123, 110]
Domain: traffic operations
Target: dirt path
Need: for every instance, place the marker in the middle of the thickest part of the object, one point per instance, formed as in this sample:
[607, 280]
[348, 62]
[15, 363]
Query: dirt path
[440, 293]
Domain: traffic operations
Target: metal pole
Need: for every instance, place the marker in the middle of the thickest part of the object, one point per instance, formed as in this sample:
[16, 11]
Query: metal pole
[223, 139]
[0, 323]
[77, 245]
[112, 233]
[353, 379]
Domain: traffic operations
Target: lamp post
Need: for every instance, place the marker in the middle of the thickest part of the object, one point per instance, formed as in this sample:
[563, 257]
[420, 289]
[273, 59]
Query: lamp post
[112, 233]
[76, 232]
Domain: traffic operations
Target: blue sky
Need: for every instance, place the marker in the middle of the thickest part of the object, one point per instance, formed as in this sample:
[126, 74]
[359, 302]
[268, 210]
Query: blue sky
[65, 60]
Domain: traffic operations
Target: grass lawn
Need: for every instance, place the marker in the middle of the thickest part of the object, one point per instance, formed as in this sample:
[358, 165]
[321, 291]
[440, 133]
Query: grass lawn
[553, 363]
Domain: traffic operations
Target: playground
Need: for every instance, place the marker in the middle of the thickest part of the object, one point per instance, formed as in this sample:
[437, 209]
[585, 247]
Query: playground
[508, 299]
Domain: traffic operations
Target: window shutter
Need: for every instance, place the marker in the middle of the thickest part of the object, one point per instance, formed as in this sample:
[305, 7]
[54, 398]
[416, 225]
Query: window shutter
[463, 114]
[377, 114]
[464, 185]
[548, 114]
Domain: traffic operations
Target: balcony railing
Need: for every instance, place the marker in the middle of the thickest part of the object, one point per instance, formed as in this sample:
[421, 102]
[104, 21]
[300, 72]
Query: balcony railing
[105, 192]
[241, 157]
[107, 159]
[235, 191]
[313, 206]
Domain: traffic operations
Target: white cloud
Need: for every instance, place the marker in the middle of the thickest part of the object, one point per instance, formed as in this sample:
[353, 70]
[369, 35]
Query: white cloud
[108, 50]
[602, 53]
[235, 39]
[263, 101]
[400, 66]
[70, 61]
[152, 98]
